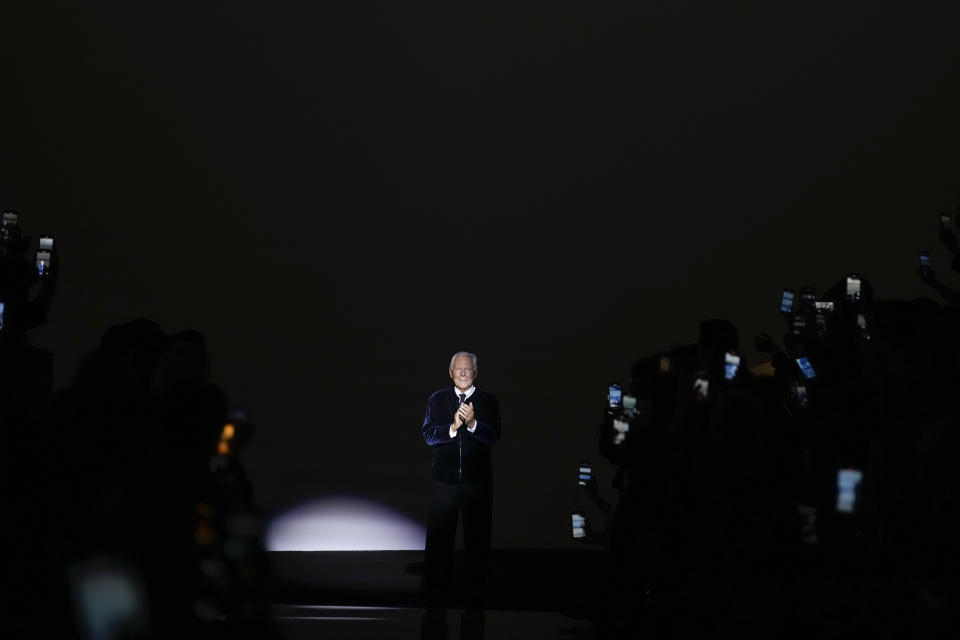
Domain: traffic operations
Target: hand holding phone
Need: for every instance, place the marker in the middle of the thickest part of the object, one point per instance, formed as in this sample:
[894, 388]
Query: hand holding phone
[701, 387]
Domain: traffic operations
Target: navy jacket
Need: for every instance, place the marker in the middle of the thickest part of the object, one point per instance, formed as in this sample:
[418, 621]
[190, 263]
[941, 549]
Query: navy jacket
[465, 458]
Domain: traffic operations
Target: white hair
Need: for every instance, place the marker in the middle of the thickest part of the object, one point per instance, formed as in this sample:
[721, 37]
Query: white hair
[464, 353]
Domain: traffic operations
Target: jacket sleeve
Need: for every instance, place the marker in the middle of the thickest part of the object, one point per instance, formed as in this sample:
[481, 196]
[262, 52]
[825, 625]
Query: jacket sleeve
[488, 428]
[436, 426]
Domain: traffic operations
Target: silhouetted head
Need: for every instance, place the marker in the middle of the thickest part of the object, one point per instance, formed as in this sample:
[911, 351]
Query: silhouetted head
[185, 361]
[717, 336]
[133, 350]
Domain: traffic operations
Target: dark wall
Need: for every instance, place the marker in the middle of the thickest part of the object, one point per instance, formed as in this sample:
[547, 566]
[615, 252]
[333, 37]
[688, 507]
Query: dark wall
[340, 195]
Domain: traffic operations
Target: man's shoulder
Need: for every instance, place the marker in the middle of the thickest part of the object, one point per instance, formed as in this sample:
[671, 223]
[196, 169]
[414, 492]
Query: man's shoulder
[440, 393]
[480, 394]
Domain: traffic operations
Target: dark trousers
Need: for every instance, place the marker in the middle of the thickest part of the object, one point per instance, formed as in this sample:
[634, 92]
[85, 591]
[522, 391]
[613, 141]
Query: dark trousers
[447, 502]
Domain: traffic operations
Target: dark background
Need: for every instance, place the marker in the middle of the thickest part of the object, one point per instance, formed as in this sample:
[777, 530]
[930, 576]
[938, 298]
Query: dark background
[342, 194]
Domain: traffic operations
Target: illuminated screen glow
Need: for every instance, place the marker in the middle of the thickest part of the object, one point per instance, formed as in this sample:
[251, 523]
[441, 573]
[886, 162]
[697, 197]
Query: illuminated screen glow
[341, 523]
[847, 482]
[786, 302]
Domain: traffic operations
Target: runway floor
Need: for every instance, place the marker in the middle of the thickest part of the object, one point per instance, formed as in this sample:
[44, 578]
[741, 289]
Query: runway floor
[310, 622]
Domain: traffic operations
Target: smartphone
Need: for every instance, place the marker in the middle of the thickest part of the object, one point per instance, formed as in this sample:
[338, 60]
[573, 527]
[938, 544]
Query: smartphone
[46, 242]
[621, 428]
[798, 325]
[614, 395]
[731, 363]
[579, 521]
[847, 482]
[786, 301]
[10, 218]
[944, 221]
[583, 478]
[701, 387]
[862, 321]
[853, 287]
[808, 298]
[8, 222]
[799, 393]
[806, 368]
[826, 306]
[2, 309]
[629, 405]
[821, 324]
[924, 258]
[42, 261]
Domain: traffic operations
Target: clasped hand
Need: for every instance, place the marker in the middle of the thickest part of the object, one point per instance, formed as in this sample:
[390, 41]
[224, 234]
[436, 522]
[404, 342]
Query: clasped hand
[464, 416]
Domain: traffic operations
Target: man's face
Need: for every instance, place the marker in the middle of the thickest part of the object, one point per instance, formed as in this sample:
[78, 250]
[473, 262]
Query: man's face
[462, 373]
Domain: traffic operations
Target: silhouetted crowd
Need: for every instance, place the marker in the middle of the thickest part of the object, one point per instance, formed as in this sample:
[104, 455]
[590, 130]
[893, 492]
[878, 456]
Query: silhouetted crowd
[128, 513]
[817, 491]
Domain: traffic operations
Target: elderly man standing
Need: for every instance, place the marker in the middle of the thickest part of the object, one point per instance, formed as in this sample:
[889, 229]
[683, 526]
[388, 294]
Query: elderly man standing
[462, 424]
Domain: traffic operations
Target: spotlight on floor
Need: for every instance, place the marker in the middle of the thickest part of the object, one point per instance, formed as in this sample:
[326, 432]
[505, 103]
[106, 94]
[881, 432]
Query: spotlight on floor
[340, 523]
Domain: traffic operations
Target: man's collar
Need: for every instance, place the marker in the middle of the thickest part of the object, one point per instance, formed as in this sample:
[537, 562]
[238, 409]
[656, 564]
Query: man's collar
[469, 391]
